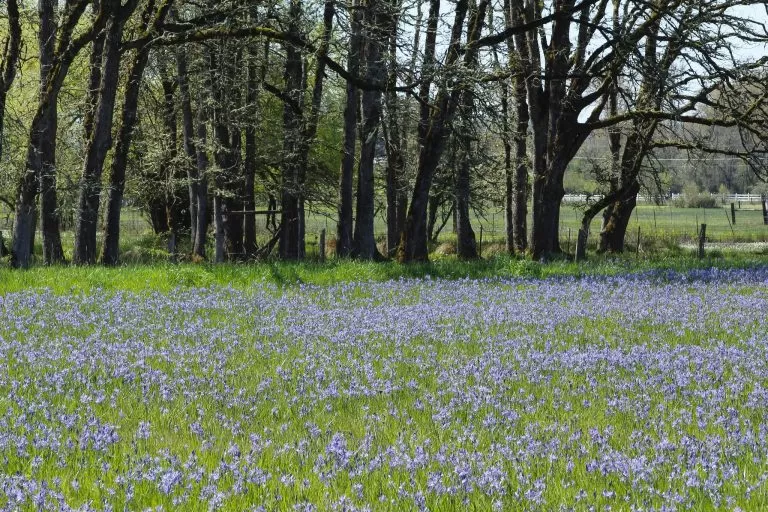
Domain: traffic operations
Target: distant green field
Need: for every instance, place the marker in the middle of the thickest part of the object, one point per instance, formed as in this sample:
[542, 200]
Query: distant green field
[667, 222]
[683, 223]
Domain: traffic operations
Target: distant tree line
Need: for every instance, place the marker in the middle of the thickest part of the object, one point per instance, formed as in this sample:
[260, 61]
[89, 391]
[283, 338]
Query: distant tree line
[210, 115]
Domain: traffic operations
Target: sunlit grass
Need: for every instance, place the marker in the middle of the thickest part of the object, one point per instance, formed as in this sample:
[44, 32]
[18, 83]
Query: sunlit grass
[167, 276]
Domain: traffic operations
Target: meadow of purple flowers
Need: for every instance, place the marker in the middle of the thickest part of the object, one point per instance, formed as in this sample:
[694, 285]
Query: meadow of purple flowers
[643, 392]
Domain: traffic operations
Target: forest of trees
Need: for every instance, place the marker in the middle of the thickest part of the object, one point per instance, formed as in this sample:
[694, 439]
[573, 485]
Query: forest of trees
[214, 115]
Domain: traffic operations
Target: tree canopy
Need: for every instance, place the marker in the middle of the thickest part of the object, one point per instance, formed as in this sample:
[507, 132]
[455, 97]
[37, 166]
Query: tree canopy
[211, 115]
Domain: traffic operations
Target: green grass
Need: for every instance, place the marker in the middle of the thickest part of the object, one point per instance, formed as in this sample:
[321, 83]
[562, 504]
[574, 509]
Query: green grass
[666, 234]
[167, 276]
[671, 223]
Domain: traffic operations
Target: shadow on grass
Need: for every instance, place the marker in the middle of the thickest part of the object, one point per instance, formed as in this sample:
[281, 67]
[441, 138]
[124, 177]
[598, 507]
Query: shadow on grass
[166, 276]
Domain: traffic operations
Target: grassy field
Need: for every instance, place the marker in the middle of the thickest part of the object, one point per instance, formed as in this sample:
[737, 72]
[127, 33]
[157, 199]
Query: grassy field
[661, 221]
[165, 277]
[239, 388]
[661, 228]
[680, 223]
[657, 223]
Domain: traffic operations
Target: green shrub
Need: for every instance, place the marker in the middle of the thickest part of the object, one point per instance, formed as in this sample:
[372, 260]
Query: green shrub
[694, 198]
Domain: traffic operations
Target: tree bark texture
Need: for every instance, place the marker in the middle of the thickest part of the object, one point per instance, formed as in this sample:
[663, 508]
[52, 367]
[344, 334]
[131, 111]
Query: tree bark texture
[433, 134]
[364, 237]
[250, 164]
[86, 223]
[110, 251]
[344, 229]
[10, 60]
[188, 136]
[52, 250]
[66, 50]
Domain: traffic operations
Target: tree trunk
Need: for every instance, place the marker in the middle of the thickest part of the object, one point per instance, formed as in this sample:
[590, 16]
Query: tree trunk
[466, 243]
[227, 155]
[51, 225]
[397, 198]
[546, 220]
[249, 200]
[188, 134]
[397, 186]
[432, 207]
[520, 213]
[433, 134]
[94, 79]
[555, 126]
[158, 215]
[466, 248]
[67, 50]
[10, 61]
[513, 58]
[617, 219]
[364, 239]
[201, 228]
[621, 200]
[101, 139]
[271, 222]
[292, 132]
[312, 118]
[413, 242]
[394, 144]
[23, 228]
[52, 250]
[344, 226]
[218, 222]
[530, 102]
[428, 67]
[110, 253]
[232, 206]
[509, 175]
[175, 203]
[299, 128]
[35, 220]
[197, 156]
[413, 237]
[625, 185]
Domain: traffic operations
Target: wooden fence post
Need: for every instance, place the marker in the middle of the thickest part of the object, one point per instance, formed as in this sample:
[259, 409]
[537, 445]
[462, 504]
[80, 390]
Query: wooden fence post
[764, 201]
[702, 238]
[729, 223]
[322, 246]
[733, 214]
[480, 245]
[2, 244]
[581, 245]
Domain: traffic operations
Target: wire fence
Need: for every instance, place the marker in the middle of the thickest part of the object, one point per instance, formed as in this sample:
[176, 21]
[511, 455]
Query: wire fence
[657, 199]
[653, 225]
[656, 227]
